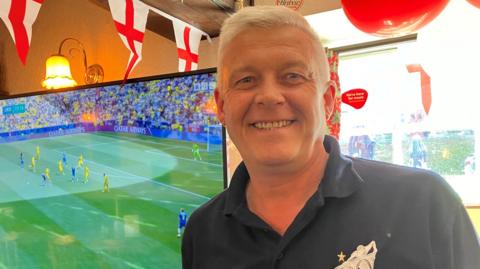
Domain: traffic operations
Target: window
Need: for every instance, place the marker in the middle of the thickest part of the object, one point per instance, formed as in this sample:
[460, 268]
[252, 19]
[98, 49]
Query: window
[393, 125]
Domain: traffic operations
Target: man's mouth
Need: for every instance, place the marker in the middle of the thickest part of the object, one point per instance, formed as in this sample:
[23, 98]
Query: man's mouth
[266, 125]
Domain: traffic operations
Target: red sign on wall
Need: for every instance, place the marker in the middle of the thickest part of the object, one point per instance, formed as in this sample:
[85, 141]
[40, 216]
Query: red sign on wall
[355, 98]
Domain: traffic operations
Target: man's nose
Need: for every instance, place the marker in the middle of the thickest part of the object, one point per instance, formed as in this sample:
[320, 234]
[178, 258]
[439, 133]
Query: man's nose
[269, 92]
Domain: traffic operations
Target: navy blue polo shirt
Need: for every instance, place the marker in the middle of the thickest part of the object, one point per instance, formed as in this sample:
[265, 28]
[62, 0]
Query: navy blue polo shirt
[412, 215]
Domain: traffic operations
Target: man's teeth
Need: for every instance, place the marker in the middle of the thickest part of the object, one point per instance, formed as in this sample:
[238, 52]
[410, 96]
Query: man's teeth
[272, 124]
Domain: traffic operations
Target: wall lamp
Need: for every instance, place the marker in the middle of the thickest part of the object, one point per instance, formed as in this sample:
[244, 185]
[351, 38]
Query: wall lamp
[58, 74]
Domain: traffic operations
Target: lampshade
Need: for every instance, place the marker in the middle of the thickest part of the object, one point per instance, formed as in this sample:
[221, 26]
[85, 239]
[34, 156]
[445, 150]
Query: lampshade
[58, 73]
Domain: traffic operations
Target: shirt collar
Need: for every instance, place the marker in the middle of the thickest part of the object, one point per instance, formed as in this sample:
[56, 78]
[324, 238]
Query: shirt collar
[340, 179]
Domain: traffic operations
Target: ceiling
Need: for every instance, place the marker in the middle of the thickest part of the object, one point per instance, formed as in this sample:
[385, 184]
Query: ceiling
[206, 15]
[342, 34]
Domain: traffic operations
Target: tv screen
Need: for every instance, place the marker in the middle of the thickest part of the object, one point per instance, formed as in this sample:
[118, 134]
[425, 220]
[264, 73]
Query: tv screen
[97, 177]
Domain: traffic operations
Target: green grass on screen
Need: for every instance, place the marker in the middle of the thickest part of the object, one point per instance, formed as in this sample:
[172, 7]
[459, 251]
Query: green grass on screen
[74, 225]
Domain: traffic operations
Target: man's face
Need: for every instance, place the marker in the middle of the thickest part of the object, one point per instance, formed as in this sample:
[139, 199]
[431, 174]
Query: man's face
[270, 98]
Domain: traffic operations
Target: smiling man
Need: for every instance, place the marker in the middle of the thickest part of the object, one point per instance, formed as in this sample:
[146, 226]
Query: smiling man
[296, 201]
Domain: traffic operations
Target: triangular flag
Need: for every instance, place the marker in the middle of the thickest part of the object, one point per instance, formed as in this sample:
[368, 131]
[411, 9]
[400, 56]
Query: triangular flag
[19, 16]
[188, 40]
[130, 17]
[425, 85]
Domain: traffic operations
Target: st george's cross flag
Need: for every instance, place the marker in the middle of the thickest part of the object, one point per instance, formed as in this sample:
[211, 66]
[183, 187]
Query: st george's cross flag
[19, 16]
[187, 38]
[130, 17]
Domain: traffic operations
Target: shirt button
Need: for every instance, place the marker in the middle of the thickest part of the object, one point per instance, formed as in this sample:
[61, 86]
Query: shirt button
[280, 256]
[265, 230]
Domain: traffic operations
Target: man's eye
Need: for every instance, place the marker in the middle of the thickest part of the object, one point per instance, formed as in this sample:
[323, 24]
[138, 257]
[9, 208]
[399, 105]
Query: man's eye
[293, 77]
[244, 80]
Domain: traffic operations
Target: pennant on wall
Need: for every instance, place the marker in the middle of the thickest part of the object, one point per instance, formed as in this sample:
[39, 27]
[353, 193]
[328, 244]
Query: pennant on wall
[130, 17]
[425, 85]
[188, 40]
[19, 16]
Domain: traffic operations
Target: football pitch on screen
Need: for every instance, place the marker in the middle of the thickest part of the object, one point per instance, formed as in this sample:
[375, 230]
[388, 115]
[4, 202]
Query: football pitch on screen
[68, 222]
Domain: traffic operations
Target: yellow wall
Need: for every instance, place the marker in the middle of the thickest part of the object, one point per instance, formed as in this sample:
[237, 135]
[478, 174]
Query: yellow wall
[475, 217]
[93, 26]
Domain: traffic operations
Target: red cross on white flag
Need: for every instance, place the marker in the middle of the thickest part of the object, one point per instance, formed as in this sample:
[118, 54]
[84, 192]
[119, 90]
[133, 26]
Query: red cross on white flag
[188, 40]
[130, 17]
[19, 16]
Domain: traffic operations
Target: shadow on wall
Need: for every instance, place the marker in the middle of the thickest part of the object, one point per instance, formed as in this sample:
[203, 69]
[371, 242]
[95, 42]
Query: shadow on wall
[3, 74]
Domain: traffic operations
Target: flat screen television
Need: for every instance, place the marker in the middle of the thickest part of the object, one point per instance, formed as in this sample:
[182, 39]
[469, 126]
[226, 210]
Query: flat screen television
[156, 139]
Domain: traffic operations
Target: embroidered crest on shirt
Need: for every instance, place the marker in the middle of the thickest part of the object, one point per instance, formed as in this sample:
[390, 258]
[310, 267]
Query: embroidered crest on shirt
[362, 258]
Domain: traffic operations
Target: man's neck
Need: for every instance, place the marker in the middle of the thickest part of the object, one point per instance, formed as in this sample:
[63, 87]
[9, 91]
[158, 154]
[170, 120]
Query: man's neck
[277, 198]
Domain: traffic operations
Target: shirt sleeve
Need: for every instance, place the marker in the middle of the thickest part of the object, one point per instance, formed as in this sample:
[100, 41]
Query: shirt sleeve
[455, 245]
[466, 249]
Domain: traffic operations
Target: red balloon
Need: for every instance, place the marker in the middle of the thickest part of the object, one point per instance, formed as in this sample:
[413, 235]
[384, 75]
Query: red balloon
[475, 2]
[388, 18]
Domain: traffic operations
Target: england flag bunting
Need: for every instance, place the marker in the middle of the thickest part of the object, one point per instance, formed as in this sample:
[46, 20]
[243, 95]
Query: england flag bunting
[187, 38]
[19, 16]
[130, 17]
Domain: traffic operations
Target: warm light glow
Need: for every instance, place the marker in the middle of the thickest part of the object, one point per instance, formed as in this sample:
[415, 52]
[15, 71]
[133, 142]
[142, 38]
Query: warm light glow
[58, 73]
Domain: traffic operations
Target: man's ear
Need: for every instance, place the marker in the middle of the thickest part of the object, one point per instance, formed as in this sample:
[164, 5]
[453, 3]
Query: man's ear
[219, 100]
[329, 98]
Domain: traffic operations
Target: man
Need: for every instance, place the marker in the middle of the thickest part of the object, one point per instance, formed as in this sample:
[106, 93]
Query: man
[80, 161]
[37, 153]
[47, 174]
[105, 183]
[60, 167]
[182, 221]
[196, 152]
[22, 161]
[74, 174]
[33, 164]
[64, 158]
[86, 173]
[44, 180]
[295, 201]
[418, 152]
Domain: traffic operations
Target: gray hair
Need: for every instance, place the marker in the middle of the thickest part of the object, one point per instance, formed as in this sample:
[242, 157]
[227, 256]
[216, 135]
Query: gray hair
[269, 17]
